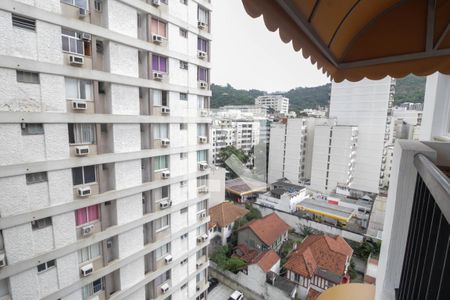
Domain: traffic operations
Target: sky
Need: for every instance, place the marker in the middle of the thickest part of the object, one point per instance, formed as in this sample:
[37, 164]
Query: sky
[247, 55]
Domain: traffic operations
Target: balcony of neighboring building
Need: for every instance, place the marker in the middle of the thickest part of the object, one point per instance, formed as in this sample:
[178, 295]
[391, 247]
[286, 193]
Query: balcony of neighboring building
[159, 286]
[155, 168]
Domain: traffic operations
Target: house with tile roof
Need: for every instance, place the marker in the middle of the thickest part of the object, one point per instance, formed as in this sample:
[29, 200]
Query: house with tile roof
[263, 234]
[222, 221]
[318, 263]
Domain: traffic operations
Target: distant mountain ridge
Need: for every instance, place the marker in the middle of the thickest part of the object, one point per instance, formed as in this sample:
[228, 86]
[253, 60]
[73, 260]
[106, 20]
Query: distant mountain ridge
[408, 89]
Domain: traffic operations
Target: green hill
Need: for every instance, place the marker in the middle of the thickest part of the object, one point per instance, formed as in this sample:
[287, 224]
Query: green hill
[408, 89]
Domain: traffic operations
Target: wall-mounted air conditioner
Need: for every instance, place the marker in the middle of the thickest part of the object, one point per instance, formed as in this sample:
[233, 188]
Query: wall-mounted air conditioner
[81, 150]
[165, 174]
[87, 230]
[79, 105]
[202, 54]
[164, 288]
[204, 113]
[156, 2]
[87, 270]
[2, 260]
[76, 60]
[84, 191]
[165, 110]
[158, 75]
[157, 39]
[203, 84]
[201, 25]
[168, 258]
[85, 36]
[165, 142]
[202, 139]
[203, 215]
[83, 13]
[203, 166]
[203, 189]
[165, 204]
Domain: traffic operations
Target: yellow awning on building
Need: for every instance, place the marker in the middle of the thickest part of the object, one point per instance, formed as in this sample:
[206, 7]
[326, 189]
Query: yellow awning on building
[353, 39]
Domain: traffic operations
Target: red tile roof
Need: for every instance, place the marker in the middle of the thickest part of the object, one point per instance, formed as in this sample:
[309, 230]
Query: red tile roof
[268, 229]
[265, 260]
[312, 294]
[321, 251]
[225, 213]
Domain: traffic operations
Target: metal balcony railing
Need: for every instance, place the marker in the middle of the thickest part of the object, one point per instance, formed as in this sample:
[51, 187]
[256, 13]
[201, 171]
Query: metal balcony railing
[426, 264]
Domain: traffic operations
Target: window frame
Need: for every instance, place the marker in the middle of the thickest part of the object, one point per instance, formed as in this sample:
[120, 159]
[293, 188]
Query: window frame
[184, 65]
[160, 157]
[88, 221]
[48, 265]
[76, 131]
[159, 23]
[89, 253]
[79, 83]
[41, 223]
[43, 177]
[38, 129]
[75, 37]
[74, 3]
[159, 58]
[28, 77]
[162, 251]
[183, 33]
[162, 223]
[83, 176]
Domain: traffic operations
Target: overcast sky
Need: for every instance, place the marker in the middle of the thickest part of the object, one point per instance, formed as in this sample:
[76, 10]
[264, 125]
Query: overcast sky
[247, 55]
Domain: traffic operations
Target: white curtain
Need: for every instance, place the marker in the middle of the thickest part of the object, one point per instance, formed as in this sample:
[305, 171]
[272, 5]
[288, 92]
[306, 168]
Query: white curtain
[157, 97]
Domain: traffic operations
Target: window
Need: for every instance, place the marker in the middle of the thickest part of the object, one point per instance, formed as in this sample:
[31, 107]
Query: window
[162, 223]
[159, 98]
[201, 206]
[23, 22]
[81, 133]
[184, 236]
[202, 74]
[159, 27]
[183, 126]
[41, 223]
[36, 177]
[202, 156]
[27, 77]
[159, 63]
[93, 288]
[99, 46]
[183, 33]
[89, 253]
[98, 5]
[160, 162]
[162, 278]
[160, 131]
[184, 65]
[101, 87]
[78, 89]
[77, 3]
[201, 129]
[86, 215]
[183, 211]
[32, 129]
[71, 42]
[165, 192]
[45, 266]
[202, 102]
[202, 181]
[203, 15]
[83, 175]
[202, 45]
[183, 96]
[162, 251]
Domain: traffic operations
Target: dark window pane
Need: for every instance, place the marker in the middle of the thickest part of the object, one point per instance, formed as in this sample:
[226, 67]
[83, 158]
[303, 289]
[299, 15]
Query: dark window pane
[71, 134]
[77, 176]
[41, 267]
[89, 174]
[51, 263]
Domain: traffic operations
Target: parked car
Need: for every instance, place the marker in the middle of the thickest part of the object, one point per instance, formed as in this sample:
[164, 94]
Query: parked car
[237, 295]
[213, 282]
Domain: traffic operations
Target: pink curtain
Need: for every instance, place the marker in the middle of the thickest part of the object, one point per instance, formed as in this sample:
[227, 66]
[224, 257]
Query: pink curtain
[154, 26]
[80, 216]
[92, 213]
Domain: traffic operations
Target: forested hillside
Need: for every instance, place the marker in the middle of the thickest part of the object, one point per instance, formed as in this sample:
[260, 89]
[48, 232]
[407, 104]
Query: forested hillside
[408, 89]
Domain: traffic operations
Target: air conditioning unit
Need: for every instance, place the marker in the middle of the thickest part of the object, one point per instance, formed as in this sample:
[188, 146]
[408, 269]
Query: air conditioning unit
[156, 2]
[201, 25]
[203, 189]
[203, 84]
[83, 13]
[199, 264]
[87, 230]
[168, 258]
[87, 270]
[84, 191]
[204, 113]
[203, 166]
[164, 288]
[165, 110]
[203, 215]
[165, 204]
[202, 139]
[165, 142]
[157, 75]
[204, 237]
[165, 174]
[76, 60]
[2, 260]
[81, 150]
[199, 239]
[202, 54]
[85, 36]
[79, 105]
[157, 39]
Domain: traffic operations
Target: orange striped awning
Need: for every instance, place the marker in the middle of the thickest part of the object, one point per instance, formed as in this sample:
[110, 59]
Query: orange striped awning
[353, 39]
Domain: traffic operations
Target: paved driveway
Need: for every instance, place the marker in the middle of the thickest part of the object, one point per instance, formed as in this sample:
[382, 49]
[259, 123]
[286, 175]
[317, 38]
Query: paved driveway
[220, 292]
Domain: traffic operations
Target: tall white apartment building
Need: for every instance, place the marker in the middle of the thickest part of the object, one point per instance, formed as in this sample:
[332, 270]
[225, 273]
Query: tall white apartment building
[366, 104]
[102, 169]
[291, 149]
[334, 157]
[278, 103]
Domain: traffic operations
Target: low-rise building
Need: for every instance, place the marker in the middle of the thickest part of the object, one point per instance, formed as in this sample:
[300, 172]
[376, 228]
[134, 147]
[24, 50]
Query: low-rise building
[243, 188]
[320, 262]
[283, 196]
[222, 221]
[263, 234]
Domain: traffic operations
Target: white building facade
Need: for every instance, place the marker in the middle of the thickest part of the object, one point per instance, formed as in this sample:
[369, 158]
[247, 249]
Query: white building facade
[104, 193]
[278, 103]
[366, 104]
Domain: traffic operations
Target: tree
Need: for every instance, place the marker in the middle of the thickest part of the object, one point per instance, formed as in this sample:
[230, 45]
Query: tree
[351, 270]
[253, 214]
[223, 260]
[228, 152]
[305, 230]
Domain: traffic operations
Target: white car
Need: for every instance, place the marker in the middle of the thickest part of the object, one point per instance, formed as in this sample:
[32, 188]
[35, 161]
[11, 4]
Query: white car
[236, 296]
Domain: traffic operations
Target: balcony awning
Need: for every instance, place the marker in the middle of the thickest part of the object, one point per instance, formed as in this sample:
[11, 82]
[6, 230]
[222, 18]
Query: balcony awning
[353, 39]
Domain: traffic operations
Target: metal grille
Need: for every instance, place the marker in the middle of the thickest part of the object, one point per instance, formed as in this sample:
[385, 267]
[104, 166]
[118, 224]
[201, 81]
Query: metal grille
[426, 265]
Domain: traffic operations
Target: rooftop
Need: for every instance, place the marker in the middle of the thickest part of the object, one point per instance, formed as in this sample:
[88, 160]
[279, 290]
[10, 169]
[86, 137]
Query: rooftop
[322, 255]
[243, 186]
[225, 214]
[326, 209]
[265, 260]
[268, 229]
